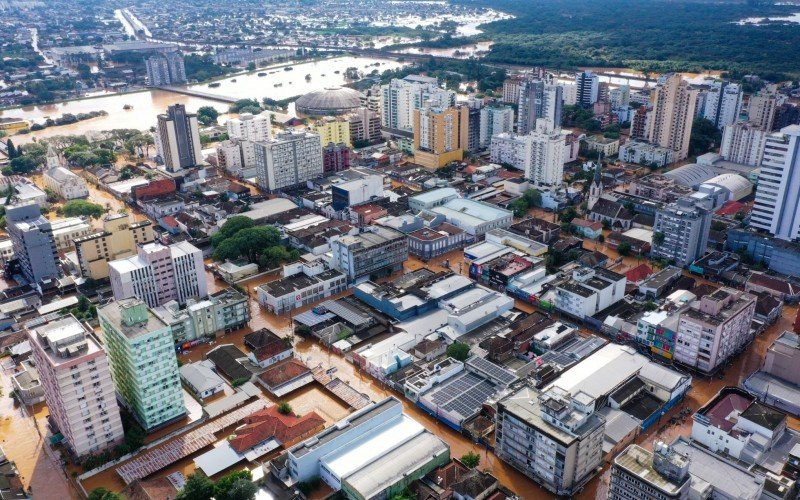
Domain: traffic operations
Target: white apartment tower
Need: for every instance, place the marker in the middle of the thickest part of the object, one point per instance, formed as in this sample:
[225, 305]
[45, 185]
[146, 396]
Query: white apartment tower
[761, 108]
[74, 373]
[159, 274]
[777, 205]
[547, 155]
[291, 158]
[723, 104]
[249, 127]
[587, 87]
[670, 122]
[401, 97]
[495, 120]
[537, 100]
[743, 143]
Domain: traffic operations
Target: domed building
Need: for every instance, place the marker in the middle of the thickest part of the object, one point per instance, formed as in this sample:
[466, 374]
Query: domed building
[329, 101]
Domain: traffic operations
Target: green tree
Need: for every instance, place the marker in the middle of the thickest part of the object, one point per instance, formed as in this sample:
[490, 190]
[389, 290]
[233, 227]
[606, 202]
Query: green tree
[223, 487]
[624, 248]
[231, 226]
[75, 208]
[241, 489]
[458, 351]
[471, 459]
[207, 115]
[198, 487]
[23, 164]
[519, 207]
[12, 151]
[284, 408]
[658, 238]
[533, 197]
[103, 494]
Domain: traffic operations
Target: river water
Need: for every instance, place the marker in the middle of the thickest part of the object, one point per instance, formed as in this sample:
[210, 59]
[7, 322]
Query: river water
[149, 103]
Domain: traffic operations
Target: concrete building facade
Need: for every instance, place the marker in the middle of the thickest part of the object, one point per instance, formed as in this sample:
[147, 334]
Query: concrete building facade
[143, 364]
[74, 372]
[118, 239]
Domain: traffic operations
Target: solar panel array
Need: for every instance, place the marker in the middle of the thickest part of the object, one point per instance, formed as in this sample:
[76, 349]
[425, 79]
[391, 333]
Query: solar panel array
[494, 371]
[463, 395]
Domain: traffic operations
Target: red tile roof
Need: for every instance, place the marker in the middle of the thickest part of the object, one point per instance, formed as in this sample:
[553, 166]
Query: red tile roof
[639, 273]
[283, 371]
[270, 423]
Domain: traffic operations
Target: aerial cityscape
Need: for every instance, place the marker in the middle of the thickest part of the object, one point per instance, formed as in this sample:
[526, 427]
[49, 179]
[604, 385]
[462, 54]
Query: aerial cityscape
[405, 250]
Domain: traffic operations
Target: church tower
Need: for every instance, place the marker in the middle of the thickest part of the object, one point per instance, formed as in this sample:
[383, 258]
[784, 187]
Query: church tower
[596, 188]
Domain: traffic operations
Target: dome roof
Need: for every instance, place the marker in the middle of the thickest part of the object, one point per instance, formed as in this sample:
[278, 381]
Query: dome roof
[330, 101]
[691, 175]
[738, 186]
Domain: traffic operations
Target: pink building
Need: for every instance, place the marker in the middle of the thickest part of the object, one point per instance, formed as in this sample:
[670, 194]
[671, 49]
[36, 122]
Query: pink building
[74, 373]
[714, 329]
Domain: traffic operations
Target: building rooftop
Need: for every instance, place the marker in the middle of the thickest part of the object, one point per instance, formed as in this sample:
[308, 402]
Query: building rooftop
[113, 311]
[639, 462]
[707, 469]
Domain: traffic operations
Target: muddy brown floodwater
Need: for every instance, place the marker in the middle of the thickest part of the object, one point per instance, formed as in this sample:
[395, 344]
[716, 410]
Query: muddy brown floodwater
[23, 444]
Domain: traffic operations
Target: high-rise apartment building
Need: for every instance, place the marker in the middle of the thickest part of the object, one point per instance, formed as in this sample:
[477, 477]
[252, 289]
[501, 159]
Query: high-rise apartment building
[440, 135]
[249, 127]
[118, 239]
[670, 122]
[401, 97]
[333, 130]
[511, 89]
[682, 228]
[714, 329]
[553, 437]
[177, 139]
[335, 158]
[743, 143]
[291, 158]
[144, 367]
[33, 242]
[620, 96]
[474, 106]
[761, 108]
[165, 69]
[495, 120]
[723, 104]
[639, 123]
[587, 88]
[159, 274]
[540, 154]
[538, 100]
[777, 205]
[662, 474]
[365, 126]
[73, 370]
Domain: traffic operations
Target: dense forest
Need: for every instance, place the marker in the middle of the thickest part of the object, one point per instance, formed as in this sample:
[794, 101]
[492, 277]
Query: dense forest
[650, 35]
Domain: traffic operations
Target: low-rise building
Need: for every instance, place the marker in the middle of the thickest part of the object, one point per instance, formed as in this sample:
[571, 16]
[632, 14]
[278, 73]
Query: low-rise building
[65, 184]
[589, 292]
[476, 218]
[302, 283]
[375, 250]
[373, 453]
[644, 153]
[607, 147]
[201, 379]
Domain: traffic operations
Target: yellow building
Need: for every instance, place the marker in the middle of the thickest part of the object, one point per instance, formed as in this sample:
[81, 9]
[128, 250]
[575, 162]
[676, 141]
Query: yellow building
[118, 239]
[11, 125]
[440, 135]
[333, 130]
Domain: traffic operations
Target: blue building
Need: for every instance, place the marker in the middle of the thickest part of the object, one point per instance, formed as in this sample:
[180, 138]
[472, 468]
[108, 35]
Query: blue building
[409, 298]
[780, 256]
